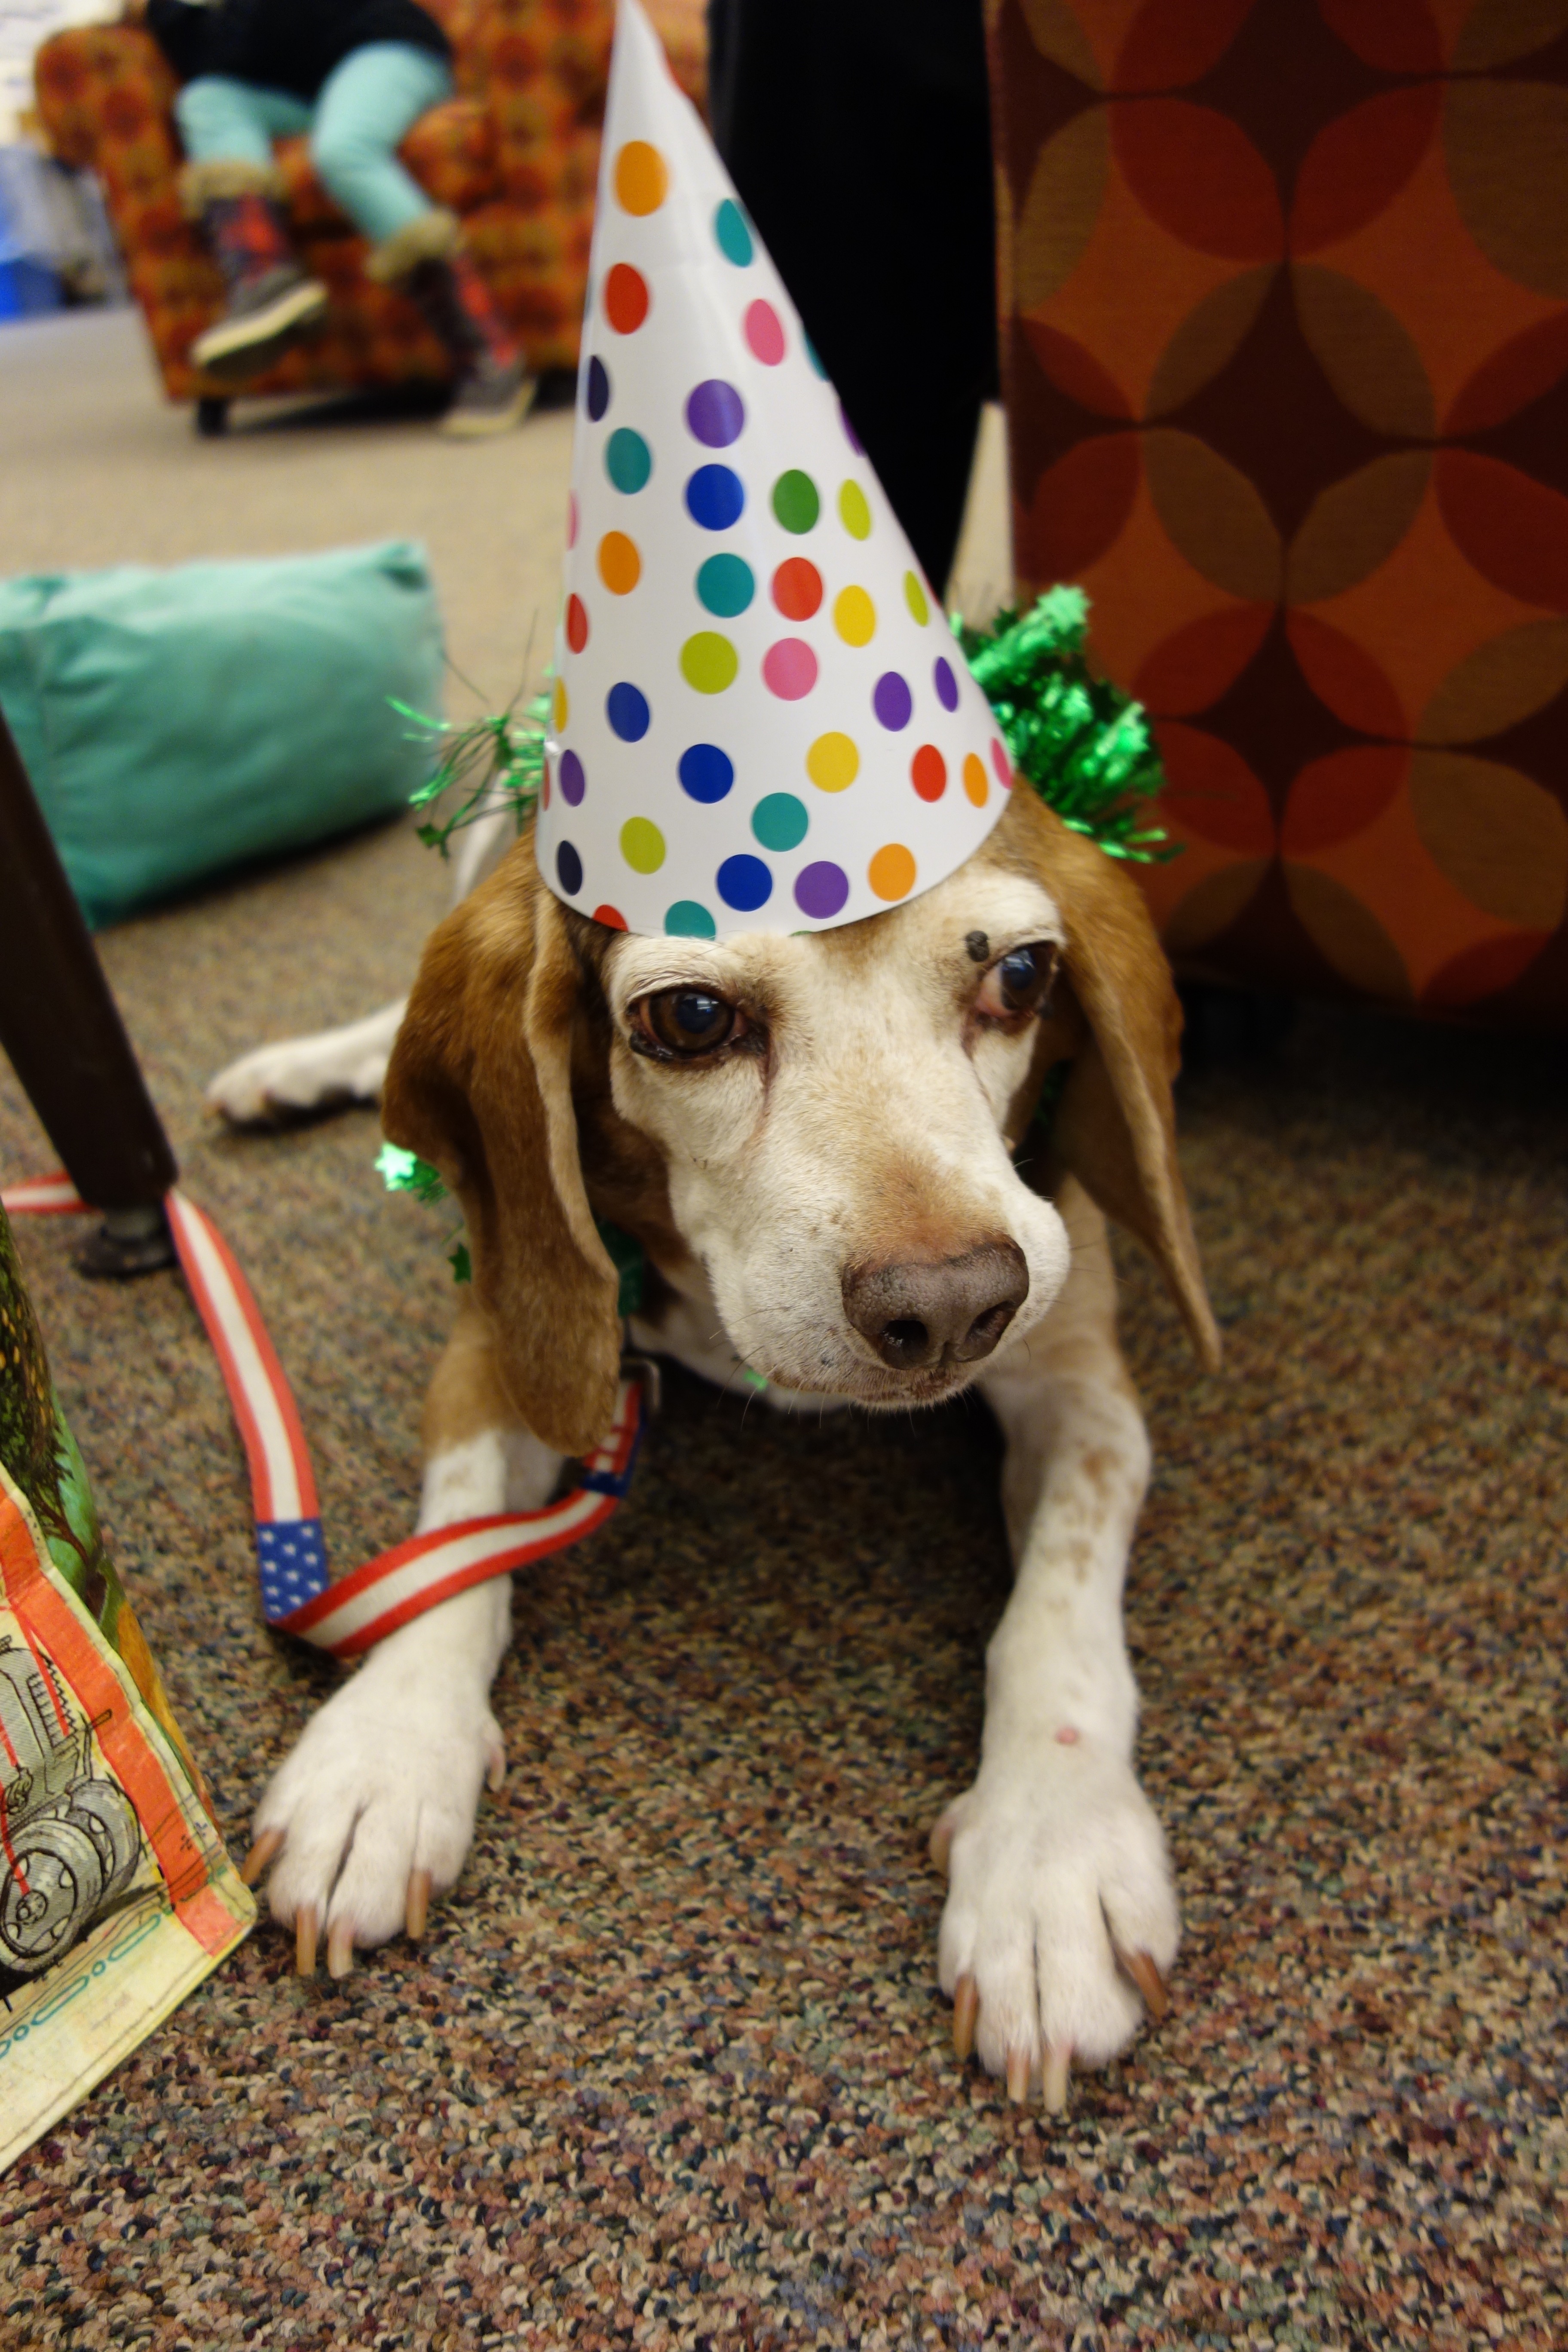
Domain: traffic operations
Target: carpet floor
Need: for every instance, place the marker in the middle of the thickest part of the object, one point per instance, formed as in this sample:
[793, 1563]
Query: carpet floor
[672, 2068]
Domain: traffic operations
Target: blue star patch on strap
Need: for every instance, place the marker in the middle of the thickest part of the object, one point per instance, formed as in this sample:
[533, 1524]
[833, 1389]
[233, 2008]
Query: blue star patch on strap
[291, 1555]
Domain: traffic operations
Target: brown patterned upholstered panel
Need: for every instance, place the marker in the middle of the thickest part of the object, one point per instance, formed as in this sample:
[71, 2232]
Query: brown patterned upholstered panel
[515, 154]
[1285, 286]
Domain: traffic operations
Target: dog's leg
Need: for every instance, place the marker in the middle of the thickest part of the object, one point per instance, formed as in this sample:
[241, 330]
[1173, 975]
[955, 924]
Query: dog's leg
[1061, 1909]
[336, 1066]
[374, 1811]
[349, 1064]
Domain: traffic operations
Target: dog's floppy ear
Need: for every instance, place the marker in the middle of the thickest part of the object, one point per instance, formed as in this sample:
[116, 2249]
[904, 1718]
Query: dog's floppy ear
[480, 1083]
[1114, 1128]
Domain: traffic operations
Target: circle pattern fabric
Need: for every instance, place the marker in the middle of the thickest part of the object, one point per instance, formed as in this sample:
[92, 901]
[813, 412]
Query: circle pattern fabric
[1352, 636]
[758, 709]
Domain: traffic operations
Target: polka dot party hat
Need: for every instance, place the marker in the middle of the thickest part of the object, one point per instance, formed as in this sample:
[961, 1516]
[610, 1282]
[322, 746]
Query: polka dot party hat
[759, 718]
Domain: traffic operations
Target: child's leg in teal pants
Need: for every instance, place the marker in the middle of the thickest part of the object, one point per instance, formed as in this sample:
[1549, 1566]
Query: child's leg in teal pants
[230, 180]
[366, 107]
[224, 122]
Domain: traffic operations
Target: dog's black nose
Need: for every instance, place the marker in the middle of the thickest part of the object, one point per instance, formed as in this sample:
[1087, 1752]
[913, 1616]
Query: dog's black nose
[955, 1312]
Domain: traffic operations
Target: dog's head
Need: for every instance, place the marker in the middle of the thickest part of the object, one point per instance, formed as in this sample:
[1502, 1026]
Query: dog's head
[826, 1123]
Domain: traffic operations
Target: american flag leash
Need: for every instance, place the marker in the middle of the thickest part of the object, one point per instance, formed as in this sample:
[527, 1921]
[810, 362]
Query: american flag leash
[298, 1594]
[43, 1196]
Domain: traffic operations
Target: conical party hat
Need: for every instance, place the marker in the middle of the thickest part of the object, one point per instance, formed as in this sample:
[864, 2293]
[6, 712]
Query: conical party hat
[760, 719]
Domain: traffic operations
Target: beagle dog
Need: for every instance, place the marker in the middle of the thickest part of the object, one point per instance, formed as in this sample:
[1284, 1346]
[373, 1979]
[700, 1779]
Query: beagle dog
[812, 1139]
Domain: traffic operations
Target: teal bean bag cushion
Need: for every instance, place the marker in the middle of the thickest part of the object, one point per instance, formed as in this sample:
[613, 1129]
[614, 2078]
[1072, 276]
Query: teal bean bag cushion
[177, 723]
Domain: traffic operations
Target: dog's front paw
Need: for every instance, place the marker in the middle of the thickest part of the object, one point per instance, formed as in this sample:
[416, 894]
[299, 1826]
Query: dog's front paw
[1060, 1915]
[306, 1074]
[278, 1082]
[374, 1811]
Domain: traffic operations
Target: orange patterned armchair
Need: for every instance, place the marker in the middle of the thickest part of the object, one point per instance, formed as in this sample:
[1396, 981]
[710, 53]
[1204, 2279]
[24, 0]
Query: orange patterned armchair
[515, 154]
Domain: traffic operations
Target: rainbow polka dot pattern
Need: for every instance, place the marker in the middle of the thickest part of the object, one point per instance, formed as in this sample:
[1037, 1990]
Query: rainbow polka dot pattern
[760, 721]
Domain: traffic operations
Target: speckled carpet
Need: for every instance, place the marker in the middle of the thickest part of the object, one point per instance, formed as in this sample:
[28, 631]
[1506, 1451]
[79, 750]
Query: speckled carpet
[672, 2068]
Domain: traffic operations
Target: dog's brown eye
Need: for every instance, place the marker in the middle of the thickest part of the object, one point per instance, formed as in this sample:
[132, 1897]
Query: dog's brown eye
[688, 1020]
[1020, 983]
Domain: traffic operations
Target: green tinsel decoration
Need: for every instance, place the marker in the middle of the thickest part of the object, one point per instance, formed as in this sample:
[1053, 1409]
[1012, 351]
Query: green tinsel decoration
[503, 754]
[1083, 744]
[405, 1172]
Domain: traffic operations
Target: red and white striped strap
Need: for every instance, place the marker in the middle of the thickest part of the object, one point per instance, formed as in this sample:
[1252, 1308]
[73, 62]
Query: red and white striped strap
[298, 1594]
[358, 1610]
[42, 1196]
[282, 1484]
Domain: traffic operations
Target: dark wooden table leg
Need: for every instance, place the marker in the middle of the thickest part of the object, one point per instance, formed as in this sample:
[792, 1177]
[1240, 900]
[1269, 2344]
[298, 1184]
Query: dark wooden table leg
[62, 1030]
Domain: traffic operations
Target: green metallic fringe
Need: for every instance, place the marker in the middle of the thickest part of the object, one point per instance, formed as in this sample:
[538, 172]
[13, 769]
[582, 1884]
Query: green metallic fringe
[1083, 744]
[405, 1172]
[498, 758]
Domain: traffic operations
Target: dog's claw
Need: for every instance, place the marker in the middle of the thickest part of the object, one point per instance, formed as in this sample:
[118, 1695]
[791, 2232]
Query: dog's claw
[1059, 2060]
[339, 1947]
[419, 1909]
[965, 2012]
[495, 1772]
[1140, 1967]
[942, 1842]
[261, 1857]
[1017, 2076]
[305, 1942]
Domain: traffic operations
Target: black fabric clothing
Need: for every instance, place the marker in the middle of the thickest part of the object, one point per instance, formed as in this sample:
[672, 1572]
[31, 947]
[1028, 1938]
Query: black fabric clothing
[858, 135]
[182, 32]
[289, 45]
